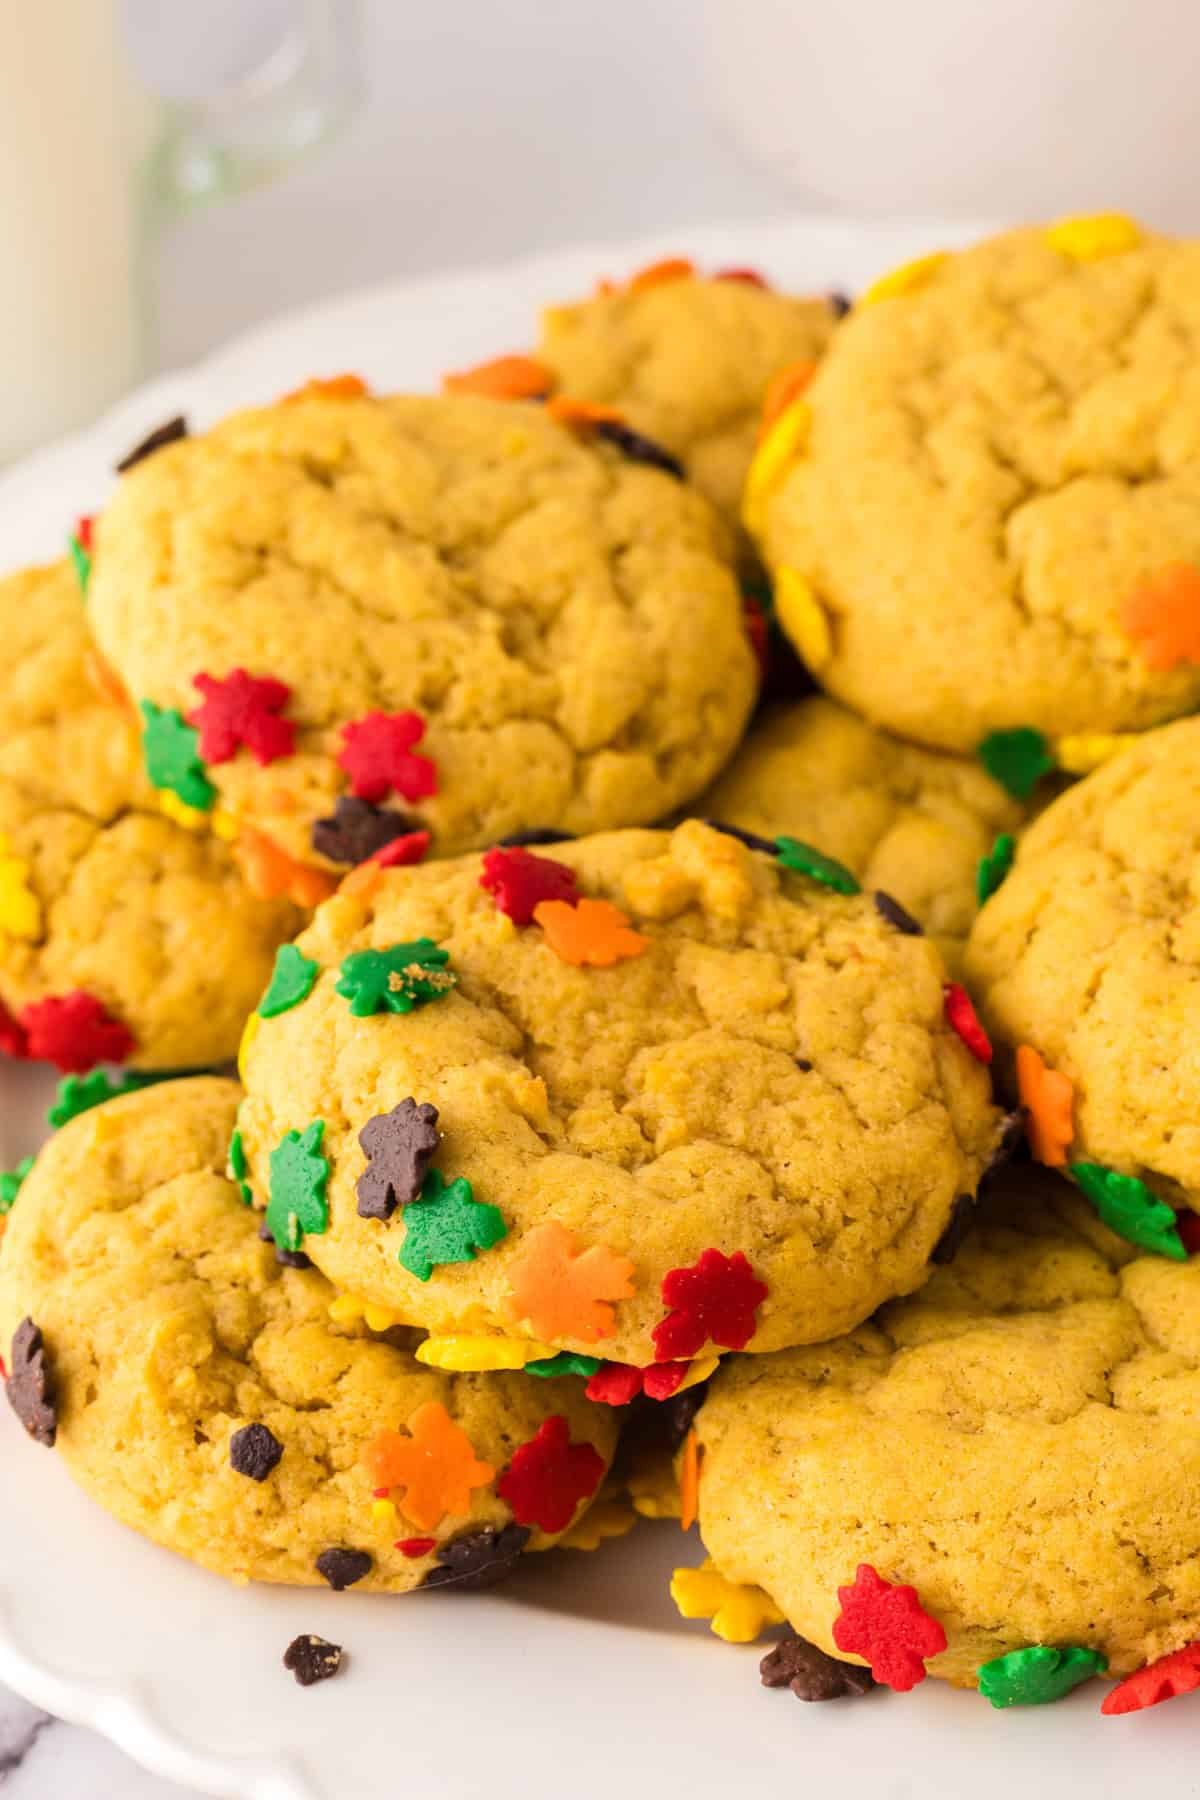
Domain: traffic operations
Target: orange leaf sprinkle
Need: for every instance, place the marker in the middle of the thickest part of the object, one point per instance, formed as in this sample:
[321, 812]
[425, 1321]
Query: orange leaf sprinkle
[1163, 617]
[786, 385]
[580, 413]
[269, 871]
[594, 932]
[107, 682]
[433, 1462]
[657, 274]
[563, 1292]
[689, 1482]
[1049, 1100]
[503, 378]
[328, 387]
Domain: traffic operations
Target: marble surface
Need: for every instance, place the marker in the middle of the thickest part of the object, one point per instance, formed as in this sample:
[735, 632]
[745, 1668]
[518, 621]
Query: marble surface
[489, 128]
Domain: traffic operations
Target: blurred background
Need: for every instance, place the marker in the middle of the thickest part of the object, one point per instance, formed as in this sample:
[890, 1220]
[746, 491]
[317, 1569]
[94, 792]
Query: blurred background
[177, 172]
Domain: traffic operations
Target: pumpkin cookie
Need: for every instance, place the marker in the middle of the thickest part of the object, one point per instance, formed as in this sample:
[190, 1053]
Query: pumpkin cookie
[1087, 961]
[202, 1394]
[638, 1099]
[66, 732]
[906, 821]
[983, 515]
[972, 1486]
[349, 621]
[688, 361]
[124, 936]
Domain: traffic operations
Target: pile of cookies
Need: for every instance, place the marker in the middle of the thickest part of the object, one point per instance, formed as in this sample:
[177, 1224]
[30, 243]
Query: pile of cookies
[615, 1134]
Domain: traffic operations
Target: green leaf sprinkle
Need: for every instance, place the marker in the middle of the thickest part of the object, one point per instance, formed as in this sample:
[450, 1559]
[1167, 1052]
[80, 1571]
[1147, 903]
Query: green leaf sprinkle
[77, 1094]
[1038, 1675]
[237, 1167]
[994, 866]
[291, 982]
[82, 562]
[298, 1176]
[170, 748]
[1016, 759]
[447, 1225]
[1131, 1209]
[10, 1183]
[395, 980]
[567, 1362]
[801, 857]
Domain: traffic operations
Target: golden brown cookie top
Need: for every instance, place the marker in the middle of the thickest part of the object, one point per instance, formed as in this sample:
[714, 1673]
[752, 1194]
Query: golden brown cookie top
[908, 821]
[1089, 955]
[991, 490]
[996, 1441]
[143, 929]
[67, 737]
[504, 594]
[687, 361]
[205, 1397]
[686, 1100]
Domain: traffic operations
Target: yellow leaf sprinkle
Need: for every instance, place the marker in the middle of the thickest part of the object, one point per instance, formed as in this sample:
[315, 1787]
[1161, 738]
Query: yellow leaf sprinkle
[468, 1354]
[604, 1519]
[652, 1487]
[20, 908]
[1092, 235]
[1088, 749]
[192, 818]
[906, 279]
[738, 1614]
[803, 618]
[253, 1024]
[781, 447]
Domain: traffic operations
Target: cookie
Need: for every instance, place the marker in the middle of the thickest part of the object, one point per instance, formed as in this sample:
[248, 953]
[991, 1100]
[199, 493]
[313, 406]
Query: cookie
[972, 1486]
[64, 736]
[909, 823]
[133, 941]
[200, 1392]
[641, 1099]
[687, 361]
[985, 509]
[1087, 962]
[452, 611]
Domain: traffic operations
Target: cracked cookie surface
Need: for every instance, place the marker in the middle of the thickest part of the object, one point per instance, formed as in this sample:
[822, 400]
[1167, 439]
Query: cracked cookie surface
[905, 820]
[771, 1075]
[169, 1326]
[467, 560]
[62, 737]
[688, 363]
[152, 920]
[997, 460]
[1090, 952]
[99, 892]
[1020, 1442]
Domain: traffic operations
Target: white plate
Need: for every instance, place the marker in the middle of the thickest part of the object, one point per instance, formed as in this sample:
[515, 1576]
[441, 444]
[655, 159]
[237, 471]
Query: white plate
[577, 1682]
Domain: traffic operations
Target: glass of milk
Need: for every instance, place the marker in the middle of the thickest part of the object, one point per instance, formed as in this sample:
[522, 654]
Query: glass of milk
[90, 163]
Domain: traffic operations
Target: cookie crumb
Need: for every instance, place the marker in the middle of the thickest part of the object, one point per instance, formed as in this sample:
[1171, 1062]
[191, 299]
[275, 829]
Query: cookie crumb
[312, 1659]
